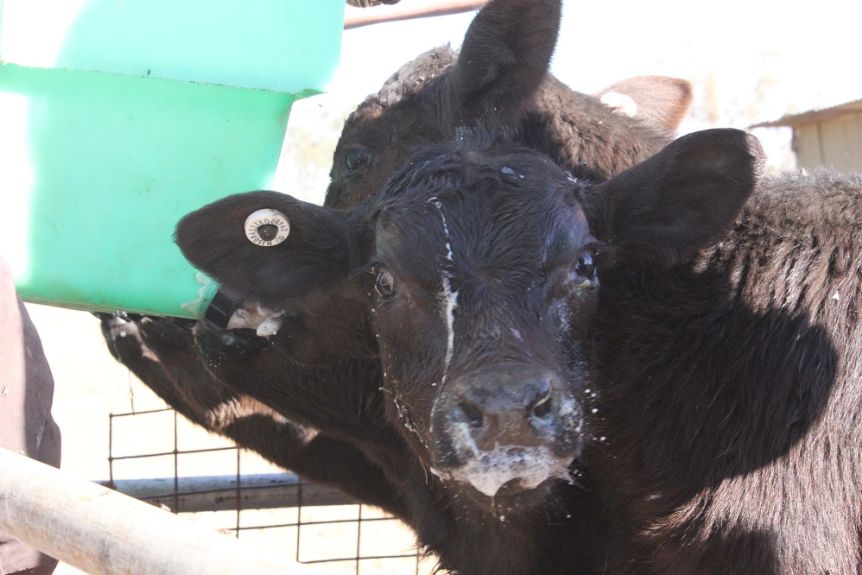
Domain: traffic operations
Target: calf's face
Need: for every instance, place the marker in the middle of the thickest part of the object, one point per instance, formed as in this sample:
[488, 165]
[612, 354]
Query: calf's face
[483, 267]
[473, 275]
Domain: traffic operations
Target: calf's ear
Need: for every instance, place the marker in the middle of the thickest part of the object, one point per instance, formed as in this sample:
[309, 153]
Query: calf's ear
[683, 198]
[268, 246]
[505, 57]
[657, 101]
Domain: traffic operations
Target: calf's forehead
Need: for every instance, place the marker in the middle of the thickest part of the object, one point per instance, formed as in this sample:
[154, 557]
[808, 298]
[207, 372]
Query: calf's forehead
[465, 207]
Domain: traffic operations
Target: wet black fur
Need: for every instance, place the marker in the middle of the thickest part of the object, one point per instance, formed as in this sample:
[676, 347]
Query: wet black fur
[731, 388]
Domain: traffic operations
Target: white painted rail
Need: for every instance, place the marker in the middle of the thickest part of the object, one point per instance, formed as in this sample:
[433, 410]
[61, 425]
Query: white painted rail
[103, 532]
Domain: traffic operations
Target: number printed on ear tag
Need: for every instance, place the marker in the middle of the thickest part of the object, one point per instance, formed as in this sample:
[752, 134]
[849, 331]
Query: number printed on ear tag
[267, 227]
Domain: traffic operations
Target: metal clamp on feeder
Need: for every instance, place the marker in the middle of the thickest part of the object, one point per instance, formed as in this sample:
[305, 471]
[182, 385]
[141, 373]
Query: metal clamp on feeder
[220, 309]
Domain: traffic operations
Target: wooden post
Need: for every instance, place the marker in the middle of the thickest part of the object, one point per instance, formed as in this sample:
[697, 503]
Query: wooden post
[101, 531]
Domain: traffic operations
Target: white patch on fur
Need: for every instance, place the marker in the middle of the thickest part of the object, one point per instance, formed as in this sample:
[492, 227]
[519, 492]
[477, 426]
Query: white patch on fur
[567, 407]
[265, 321]
[621, 103]
[450, 300]
[489, 471]
[123, 328]
[306, 432]
[270, 325]
[406, 419]
[462, 439]
[448, 297]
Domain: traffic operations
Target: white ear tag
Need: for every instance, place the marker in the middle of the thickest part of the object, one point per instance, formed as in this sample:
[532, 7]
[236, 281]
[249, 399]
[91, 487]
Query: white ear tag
[267, 227]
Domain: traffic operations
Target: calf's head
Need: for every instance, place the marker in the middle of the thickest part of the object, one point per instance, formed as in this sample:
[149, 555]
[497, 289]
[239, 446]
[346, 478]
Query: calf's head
[473, 276]
[472, 311]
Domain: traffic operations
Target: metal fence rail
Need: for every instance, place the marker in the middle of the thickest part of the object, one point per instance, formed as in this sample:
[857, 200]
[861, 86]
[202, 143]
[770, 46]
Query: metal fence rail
[302, 514]
[225, 492]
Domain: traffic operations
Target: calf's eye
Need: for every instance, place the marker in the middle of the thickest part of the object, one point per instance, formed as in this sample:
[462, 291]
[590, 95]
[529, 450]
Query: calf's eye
[586, 266]
[385, 284]
[355, 161]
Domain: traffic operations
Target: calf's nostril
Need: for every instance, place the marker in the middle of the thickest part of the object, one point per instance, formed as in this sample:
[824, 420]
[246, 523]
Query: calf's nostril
[472, 414]
[541, 408]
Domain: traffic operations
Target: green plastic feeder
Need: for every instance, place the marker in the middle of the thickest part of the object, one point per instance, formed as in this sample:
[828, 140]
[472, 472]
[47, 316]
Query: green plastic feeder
[117, 117]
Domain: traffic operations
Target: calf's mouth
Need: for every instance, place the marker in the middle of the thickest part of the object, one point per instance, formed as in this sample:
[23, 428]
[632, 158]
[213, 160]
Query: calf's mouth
[509, 470]
[250, 315]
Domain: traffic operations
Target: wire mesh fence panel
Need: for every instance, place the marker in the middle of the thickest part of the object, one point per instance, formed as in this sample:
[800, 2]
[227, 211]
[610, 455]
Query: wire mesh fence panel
[159, 457]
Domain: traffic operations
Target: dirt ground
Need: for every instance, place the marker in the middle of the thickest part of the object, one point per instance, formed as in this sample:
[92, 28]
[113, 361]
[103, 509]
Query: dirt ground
[90, 385]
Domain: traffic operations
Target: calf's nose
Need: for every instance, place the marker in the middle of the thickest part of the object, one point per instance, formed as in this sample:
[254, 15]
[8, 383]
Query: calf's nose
[505, 410]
